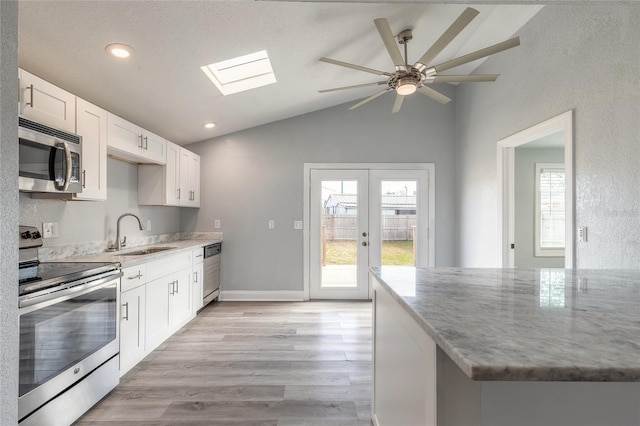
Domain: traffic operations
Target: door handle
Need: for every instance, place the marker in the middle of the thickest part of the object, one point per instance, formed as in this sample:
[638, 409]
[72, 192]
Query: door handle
[364, 234]
[364, 243]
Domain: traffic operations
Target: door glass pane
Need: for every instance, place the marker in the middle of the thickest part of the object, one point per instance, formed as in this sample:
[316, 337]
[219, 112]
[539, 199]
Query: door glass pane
[398, 210]
[339, 233]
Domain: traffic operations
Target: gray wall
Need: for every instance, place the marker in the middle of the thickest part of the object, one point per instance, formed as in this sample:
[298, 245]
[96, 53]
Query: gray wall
[87, 221]
[525, 163]
[255, 175]
[584, 58]
[8, 213]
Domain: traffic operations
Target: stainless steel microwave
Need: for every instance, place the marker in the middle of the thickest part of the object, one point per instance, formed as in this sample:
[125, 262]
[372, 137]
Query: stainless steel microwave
[49, 158]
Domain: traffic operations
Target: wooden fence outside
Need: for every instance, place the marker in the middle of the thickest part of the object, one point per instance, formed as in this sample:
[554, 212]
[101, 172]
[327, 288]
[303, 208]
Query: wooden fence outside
[344, 227]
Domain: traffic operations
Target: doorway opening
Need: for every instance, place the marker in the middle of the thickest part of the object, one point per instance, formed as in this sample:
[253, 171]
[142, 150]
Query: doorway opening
[536, 207]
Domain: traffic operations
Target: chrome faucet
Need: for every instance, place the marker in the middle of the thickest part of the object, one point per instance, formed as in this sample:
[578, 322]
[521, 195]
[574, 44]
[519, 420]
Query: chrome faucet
[123, 243]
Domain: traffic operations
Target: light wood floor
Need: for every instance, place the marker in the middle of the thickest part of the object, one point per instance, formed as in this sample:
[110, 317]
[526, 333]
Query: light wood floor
[240, 363]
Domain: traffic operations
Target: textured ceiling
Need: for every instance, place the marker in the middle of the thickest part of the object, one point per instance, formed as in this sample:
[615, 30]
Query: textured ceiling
[162, 88]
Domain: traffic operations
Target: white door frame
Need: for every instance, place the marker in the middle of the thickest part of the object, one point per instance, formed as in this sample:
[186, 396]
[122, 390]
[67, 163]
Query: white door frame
[431, 167]
[506, 181]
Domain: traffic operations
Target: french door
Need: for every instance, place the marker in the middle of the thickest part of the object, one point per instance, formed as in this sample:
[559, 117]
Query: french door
[365, 217]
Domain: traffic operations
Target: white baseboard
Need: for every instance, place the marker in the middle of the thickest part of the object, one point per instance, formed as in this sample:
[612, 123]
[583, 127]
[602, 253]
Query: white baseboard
[262, 296]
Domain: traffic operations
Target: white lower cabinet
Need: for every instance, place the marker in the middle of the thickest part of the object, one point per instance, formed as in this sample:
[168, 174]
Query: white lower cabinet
[197, 256]
[132, 328]
[168, 306]
[155, 302]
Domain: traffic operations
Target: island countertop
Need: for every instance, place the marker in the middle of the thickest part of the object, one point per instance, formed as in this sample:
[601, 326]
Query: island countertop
[526, 324]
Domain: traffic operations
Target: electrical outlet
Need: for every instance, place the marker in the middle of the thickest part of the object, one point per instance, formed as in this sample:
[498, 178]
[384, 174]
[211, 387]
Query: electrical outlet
[216, 224]
[272, 224]
[50, 230]
[148, 228]
[582, 234]
[297, 224]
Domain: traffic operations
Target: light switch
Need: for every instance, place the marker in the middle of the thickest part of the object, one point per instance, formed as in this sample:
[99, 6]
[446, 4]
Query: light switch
[272, 224]
[297, 224]
[148, 228]
[216, 224]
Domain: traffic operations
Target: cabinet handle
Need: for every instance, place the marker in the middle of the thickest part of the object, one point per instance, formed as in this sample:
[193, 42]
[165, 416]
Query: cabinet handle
[178, 193]
[84, 178]
[31, 90]
[195, 276]
[126, 316]
[146, 143]
[135, 277]
[177, 287]
[171, 288]
[140, 144]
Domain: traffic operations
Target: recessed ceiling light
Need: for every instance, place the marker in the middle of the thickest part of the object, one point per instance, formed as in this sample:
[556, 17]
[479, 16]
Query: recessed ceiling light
[119, 50]
[209, 125]
[241, 73]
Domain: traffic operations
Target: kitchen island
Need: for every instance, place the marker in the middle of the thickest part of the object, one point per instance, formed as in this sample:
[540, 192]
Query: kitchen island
[506, 347]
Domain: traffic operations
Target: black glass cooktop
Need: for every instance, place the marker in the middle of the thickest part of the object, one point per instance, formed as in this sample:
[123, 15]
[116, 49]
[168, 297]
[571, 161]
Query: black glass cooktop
[49, 274]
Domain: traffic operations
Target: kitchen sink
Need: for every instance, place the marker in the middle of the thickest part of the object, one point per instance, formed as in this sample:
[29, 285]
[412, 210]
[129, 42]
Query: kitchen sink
[150, 250]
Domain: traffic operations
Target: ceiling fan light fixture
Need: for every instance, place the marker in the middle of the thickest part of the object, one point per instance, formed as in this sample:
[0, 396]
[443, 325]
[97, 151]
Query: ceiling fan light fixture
[406, 88]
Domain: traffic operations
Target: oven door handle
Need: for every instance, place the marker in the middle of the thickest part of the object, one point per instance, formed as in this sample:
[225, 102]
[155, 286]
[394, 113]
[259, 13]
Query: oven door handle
[48, 299]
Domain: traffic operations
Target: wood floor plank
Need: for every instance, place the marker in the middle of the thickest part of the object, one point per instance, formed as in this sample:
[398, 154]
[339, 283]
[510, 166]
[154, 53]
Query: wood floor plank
[253, 364]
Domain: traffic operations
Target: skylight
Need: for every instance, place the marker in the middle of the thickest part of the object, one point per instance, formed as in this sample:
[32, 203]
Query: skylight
[241, 73]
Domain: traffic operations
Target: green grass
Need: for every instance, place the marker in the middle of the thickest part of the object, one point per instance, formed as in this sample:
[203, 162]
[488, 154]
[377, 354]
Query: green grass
[393, 253]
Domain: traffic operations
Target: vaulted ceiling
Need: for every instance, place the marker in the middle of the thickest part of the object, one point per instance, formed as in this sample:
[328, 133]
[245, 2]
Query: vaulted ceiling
[162, 88]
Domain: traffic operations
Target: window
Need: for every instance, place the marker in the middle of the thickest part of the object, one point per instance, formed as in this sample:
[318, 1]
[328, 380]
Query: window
[550, 210]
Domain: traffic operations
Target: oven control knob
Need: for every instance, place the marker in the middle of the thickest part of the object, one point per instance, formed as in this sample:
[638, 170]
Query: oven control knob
[26, 235]
[36, 235]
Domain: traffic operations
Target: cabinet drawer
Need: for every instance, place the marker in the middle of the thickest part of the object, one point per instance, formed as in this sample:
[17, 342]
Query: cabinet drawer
[198, 255]
[168, 265]
[132, 277]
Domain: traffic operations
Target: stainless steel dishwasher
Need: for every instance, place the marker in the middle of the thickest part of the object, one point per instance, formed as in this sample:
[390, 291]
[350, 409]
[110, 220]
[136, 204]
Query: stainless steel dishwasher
[211, 273]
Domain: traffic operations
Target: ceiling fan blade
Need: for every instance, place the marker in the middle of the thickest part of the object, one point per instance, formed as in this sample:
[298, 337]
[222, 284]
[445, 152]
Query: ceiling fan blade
[434, 94]
[379, 83]
[397, 104]
[458, 25]
[355, 67]
[464, 78]
[390, 42]
[370, 98]
[478, 54]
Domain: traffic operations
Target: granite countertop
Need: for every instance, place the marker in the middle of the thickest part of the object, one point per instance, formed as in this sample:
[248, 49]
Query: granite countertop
[125, 261]
[527, 324]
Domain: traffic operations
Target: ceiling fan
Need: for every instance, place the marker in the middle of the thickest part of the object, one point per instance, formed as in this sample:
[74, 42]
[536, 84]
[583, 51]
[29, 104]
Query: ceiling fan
[407, 79]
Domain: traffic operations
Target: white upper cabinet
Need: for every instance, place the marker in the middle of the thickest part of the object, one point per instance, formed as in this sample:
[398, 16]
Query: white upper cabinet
[130, 142]
[189, 179]
[91, 124]
[45, 103]
[177, 183]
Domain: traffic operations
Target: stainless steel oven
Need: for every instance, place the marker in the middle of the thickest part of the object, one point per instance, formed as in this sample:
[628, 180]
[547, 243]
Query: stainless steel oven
[49, 159]
[69, 338]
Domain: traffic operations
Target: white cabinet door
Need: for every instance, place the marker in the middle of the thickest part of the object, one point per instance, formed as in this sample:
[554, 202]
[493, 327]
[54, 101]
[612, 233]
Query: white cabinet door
[194, 179]
[196, 287]
[91, 122]
[157, 312]
[153, 147]
[180, 301]
[132, 328]
[189, 179]
[123, 135]
[45, 103]
[172, 175]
